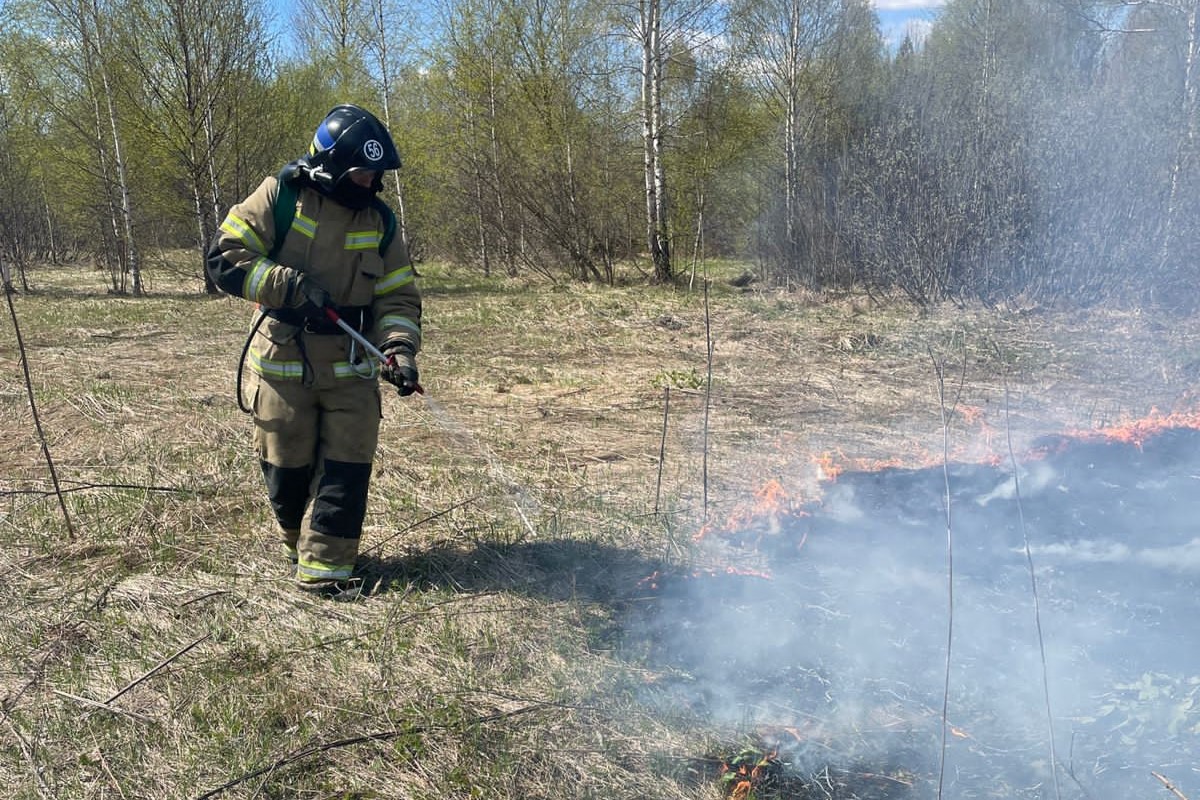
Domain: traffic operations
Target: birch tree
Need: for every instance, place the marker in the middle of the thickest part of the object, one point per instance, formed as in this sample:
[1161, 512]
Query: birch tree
[788, 44]
[334, 35]
[650, 37]
[553, 152]
[1184, 164]
[386, 43]
[191, 56]
[475, 63]
[75, 47]
[659, 28]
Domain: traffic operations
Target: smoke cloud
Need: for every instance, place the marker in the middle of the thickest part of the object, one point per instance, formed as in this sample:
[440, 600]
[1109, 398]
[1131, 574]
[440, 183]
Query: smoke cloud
[835, 625]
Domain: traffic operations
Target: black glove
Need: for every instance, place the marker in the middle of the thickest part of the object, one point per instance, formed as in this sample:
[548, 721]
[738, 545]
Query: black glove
[401, 367]
[307, 296]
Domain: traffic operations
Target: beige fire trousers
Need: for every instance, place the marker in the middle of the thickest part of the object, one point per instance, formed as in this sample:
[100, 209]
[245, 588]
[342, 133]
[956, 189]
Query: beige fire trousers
[316, 428]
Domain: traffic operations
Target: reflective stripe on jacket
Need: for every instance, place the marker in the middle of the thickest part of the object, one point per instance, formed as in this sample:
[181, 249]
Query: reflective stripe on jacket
[335, 245]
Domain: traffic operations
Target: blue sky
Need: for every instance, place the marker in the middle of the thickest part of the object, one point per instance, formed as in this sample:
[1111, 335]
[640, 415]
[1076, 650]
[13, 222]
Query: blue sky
[898, 17]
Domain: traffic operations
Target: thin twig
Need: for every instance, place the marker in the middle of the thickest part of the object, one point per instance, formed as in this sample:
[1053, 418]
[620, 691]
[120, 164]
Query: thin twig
[396, 621]
[86, 486]
[87, 701]
[1170, 786]
[159, 666]
[9, 701]
[662, 446]
[37, 421]
[708, 346]
[941, 385]
[205, 596]
[1070, 766]
[381, 736]
[420, 522]
[27, 752]
[107, 771]
[1037, 609]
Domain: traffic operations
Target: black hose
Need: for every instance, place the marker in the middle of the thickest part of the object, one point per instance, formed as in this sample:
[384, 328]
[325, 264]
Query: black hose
[242, 362]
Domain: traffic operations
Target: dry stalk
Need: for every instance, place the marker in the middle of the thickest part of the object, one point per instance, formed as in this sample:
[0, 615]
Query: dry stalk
[107, 770]
[380, 736]
[1170, 786]
[9, 701]
[708, 349]
[27, 751]
[81, 487]
[420, 522]
[37, 421]
[662, 446]
[1037, 609]
[87, 701]
[941, 386]
[158, 667]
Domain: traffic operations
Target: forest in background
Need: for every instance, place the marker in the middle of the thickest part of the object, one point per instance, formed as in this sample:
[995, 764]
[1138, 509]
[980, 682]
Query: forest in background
[1025, 152]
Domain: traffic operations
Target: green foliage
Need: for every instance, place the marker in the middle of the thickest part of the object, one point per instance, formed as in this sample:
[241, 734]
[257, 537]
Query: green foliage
[1159, 701]
[678, 379]
[1014, 154]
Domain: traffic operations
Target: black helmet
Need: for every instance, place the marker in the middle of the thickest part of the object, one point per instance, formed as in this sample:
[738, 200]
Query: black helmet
[350, 139]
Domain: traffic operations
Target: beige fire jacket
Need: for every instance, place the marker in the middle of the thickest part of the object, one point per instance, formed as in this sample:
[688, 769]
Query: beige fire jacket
[335, 245]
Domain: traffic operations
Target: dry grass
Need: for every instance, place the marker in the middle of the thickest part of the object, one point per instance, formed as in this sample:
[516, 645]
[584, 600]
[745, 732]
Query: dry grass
[510, 523]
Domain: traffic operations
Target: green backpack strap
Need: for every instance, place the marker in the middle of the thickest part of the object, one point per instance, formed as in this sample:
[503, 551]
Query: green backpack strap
[285, 212]
[389, 223]
[285, 209]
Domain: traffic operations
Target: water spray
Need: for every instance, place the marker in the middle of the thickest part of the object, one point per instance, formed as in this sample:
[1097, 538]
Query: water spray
[516, 493]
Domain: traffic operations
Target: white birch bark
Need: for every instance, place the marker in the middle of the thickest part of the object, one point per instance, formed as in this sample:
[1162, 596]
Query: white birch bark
[1186, 152]
[382, 46]
[650, 36]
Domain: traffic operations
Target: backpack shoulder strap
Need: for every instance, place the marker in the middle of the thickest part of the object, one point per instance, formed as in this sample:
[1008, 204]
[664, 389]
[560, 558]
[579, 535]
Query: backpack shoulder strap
[389, 223]
[285, 212]
[285, 209]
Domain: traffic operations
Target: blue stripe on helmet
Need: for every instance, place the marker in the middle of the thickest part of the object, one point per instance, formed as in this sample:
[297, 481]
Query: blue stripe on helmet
[323, 137]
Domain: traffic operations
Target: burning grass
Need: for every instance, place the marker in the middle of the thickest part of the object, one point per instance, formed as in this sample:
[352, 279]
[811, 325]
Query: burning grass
[161, 652]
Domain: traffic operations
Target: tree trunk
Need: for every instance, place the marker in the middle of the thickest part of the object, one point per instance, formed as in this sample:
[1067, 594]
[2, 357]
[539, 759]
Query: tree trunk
[132, 261]
[793, 67]
[383, 51]
[506, 246]
[651, 108]
[1185, 153]
[663, 271]
[110, 231]
[208, 224]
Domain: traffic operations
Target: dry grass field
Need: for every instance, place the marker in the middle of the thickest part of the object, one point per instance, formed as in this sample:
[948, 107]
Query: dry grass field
[566, 449]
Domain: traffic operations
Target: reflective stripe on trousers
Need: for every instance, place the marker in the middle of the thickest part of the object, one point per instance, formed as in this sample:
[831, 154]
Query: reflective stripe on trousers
[316, 444]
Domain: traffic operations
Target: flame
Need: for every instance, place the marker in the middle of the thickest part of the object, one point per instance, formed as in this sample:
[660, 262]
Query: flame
[971, 414]
[748, 771]
[1137, 431]
[770, 502]
[827, 467]
[770, 498]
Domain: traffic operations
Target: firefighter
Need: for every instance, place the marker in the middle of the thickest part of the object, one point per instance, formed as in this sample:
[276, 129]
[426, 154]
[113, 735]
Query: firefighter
[316, 398]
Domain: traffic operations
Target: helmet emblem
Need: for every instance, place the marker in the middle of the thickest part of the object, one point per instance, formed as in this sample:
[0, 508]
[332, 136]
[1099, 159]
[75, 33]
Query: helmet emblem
[373, 150]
